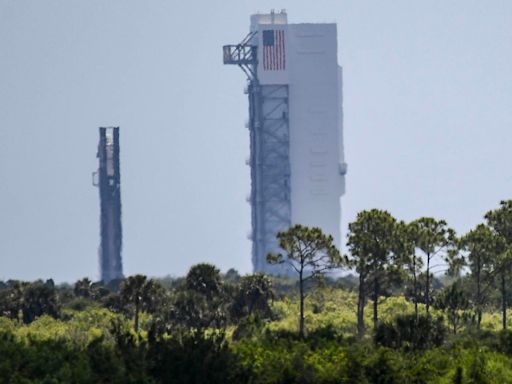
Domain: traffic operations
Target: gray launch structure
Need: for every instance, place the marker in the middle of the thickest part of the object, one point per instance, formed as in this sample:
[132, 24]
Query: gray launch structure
[296, 129]
[108, 180]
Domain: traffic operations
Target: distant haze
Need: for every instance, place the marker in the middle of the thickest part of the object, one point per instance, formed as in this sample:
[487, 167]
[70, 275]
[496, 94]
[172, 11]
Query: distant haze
[427, 116]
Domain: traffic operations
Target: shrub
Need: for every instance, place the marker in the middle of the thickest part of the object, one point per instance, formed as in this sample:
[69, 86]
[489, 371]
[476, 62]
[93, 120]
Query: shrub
[411, 334]
[505, 341]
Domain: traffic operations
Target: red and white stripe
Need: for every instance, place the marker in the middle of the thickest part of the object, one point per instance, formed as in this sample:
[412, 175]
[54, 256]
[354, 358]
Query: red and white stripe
[274, 58]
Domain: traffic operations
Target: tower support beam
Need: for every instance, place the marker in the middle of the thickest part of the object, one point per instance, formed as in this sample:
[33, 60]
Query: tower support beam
[269, 159]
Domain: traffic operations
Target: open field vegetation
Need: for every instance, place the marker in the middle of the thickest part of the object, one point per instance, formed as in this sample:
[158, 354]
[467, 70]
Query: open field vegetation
[418, 304]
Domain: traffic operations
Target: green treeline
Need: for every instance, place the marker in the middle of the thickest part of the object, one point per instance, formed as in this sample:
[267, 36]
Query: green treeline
[419, 304]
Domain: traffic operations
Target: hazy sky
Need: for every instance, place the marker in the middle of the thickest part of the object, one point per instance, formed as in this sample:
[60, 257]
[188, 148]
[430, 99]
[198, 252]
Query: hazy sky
[427, 103]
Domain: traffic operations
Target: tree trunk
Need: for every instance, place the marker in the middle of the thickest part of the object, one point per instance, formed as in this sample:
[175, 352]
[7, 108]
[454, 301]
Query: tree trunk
[478, 298]
[360, 307]
[136, 320]
[427, 291]
[503, 302]
[415, 287]
[375, 304]
[301, 320]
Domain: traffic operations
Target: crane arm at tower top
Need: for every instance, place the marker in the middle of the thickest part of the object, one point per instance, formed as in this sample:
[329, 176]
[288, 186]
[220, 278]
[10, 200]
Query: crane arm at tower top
[239, 54]
[244, 54]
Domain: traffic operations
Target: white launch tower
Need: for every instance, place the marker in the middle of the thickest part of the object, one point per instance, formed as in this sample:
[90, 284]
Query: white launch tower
[296, 130]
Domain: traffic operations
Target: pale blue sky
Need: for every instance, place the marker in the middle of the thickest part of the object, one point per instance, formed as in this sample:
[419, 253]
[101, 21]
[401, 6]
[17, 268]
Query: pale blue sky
[428, 123]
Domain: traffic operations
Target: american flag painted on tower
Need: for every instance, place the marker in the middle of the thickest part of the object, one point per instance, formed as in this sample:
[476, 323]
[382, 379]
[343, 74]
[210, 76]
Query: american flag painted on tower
[273, 50]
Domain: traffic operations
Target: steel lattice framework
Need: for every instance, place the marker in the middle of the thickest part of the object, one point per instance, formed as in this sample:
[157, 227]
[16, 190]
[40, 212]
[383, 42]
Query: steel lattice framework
[269, 159]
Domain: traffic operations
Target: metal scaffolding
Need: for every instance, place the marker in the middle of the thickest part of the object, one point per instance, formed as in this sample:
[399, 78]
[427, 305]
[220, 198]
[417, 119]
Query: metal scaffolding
[108, 179]
[269, 159]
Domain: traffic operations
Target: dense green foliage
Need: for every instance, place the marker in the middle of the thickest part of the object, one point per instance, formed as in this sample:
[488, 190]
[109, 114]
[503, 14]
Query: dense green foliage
[96, 345]
[395, 322]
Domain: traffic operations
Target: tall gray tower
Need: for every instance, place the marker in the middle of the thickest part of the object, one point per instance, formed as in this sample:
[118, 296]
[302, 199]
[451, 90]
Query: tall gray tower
[108, 179]
[295, 126]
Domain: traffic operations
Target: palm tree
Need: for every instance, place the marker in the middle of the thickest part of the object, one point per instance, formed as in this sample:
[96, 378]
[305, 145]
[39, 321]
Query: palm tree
[141, 293]
[83, 288]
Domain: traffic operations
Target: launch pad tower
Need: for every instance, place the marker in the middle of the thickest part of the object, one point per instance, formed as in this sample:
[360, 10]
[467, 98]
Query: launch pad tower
[295, 126]
[108, 179]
